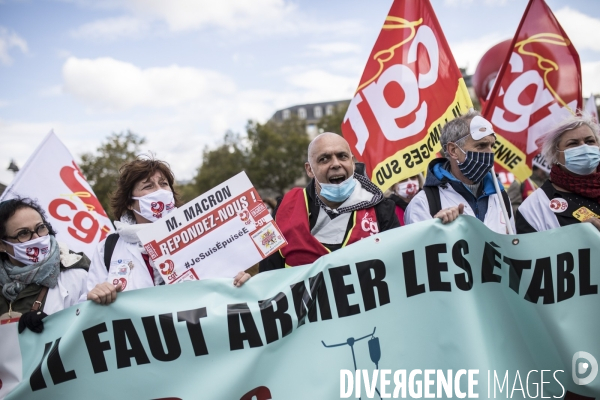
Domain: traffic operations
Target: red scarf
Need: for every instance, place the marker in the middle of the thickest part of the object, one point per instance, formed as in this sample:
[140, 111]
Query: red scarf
[586, 186]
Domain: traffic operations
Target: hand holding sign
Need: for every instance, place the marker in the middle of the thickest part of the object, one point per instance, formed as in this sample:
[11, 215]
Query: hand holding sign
[206, 237]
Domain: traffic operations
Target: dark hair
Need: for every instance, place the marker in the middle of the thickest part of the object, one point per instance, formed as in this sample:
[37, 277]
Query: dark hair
[130, 174]
[8, 208]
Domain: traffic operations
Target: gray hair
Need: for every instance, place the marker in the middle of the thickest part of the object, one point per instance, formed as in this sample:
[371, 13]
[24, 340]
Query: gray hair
[457, 130]
[550, 140]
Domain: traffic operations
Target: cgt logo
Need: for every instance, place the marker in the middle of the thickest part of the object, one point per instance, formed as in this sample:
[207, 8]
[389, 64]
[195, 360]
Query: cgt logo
[157, 207]
[584, 368]
[32, 253]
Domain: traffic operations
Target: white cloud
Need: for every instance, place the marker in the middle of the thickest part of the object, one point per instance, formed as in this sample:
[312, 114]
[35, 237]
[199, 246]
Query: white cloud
[332, 49]
[468, 53]
[111, 28]
[263, 17]
[3, 103]
[8, 40]
[455, 3]
[318, 85]
[581, 28]
[590, 78]
[230, 14]
[51, 91]
[107, 83]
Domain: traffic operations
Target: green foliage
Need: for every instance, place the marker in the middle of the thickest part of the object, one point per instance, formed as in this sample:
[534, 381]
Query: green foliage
[333, 122]
[272, 155]
[220, 164]
[278, 153]
[102, 169]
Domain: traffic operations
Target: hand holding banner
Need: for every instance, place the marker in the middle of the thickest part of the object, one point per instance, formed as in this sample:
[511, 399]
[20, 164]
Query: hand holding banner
[410, 87]
[218, 234]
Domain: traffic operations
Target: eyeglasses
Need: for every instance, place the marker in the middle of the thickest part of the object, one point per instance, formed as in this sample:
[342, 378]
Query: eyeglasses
[26, 235]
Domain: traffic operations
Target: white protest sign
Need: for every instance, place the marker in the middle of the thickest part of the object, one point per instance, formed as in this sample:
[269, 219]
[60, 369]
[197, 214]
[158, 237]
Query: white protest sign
[218, 234]
[51, 177]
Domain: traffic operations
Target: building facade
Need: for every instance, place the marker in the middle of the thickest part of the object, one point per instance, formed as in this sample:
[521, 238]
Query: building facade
[311, 113]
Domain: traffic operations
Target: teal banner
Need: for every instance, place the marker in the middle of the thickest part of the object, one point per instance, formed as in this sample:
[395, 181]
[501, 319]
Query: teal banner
[423, 311]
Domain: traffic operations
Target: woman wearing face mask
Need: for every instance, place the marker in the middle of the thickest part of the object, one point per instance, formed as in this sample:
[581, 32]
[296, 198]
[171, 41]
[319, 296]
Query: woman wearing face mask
[145, 193]
[403, 192]
[572, 194]
[38, 276]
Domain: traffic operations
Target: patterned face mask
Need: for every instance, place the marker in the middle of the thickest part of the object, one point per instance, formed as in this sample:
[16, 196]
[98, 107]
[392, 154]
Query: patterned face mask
[155, 205]
[33, 251]
[407, 189]
[476, 165]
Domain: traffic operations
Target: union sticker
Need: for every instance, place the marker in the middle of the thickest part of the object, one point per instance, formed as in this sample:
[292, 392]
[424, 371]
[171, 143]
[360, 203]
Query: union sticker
[583, 214]
[268, 239]
[558, 205]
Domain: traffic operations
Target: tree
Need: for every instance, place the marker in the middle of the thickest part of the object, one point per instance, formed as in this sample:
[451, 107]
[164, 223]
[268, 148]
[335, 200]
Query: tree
[220, 164]
[102, 170]
[272, 154]
[333, 122]
[278, 153]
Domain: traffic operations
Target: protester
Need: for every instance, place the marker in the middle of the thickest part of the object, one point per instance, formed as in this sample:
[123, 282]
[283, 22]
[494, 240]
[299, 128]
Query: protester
[337, 208]
[403, 192]
[38, 275]
[145, 193]
[462, 182]
[519, 191]
[572, 194]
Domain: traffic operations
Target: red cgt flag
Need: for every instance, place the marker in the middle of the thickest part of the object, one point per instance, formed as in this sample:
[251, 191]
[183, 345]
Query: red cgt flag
[538, 85]
[409, 89]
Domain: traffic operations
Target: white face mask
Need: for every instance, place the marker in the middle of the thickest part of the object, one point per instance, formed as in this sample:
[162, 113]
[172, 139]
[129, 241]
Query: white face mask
[31, 252]
[407, 189]
[155, 205]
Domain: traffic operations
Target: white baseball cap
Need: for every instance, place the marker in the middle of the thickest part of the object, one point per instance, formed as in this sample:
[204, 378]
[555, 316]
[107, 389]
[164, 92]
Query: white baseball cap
[480, 128]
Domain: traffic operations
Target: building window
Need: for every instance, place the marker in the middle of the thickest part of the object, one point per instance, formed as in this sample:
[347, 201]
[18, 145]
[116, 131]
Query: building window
[286, 114]
[318, 112]
[329, 110]
[302, 113]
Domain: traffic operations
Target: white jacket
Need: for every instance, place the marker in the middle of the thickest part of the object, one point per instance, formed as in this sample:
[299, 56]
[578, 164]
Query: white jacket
[418, 208]
[71, 284]
[138, 276]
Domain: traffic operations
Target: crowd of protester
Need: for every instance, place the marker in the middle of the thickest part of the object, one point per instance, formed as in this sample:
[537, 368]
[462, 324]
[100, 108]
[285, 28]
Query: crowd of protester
[339, 206]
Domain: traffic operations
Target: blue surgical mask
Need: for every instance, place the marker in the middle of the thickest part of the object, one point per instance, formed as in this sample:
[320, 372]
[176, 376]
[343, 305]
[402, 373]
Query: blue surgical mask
[337, 193]
[582, 160]
[476, 165]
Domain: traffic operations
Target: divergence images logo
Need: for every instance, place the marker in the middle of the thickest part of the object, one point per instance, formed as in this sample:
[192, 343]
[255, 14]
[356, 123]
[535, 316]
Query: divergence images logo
[584, 364]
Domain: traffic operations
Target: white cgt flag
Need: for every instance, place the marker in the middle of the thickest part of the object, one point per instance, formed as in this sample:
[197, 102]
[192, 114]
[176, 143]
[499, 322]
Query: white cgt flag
[51, 177]
[590, 107]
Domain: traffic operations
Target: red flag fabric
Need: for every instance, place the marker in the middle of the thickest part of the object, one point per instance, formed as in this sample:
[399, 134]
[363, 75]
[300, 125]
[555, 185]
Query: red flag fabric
[538, 85]
[410, 87]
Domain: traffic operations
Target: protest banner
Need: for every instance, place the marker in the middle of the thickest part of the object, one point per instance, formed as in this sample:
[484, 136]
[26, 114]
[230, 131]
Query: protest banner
[409, 89]
[52, 177]
[591, 109]
[218, 234]
[427, 310]
[539, 84]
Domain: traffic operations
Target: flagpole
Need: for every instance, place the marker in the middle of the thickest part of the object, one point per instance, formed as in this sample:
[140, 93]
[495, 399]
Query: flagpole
[501, 200]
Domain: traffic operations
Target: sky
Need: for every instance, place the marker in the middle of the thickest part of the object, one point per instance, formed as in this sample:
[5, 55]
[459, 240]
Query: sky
[182, 72]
